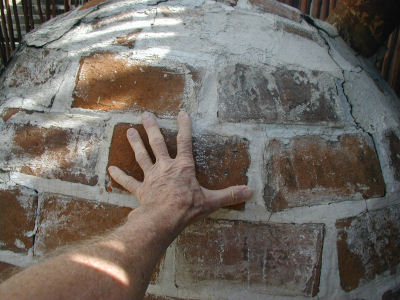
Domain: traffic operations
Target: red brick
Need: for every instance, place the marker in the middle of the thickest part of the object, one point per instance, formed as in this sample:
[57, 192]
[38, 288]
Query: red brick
[63, 220]
[368, 245]
[68, 154]
[284, 258]
[220, 162]
[245, 93]
[106, 82]
[394, 148]
[310, 170]
[7, 270]
[274, 7]
[17, 218]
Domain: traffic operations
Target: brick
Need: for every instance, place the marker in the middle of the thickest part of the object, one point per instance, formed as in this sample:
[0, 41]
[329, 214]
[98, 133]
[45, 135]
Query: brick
[274, 7]
[129, 39]
[17, 218]
[7, 270]
[8, 112]
[296, 30]
[393, 294]
[278, 258]
[107, 82]
[34, 75]
[394, 155]
[23, 74]
[68, 154]
[247, 93]
[64, 219]
[368, 245]
[220, 162]
[307, 170]
[92, 3]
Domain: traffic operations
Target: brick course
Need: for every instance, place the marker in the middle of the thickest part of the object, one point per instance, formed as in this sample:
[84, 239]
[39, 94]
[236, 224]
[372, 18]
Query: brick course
[108, 82]
[17, 218]
[68, 154]
[220, 162]
[311, 170]
[368, 245]
[284, 257]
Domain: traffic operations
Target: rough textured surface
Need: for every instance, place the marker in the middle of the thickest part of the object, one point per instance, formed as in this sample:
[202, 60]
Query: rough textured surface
[277, 8]
[68, 154]
[7, 270]
[284, 96]
[220, 162]
[17, 218]
[64, 220]
[394, 148]
[277, 102]
[308, 170]
[286, 257]
[368, 245]
[108, 82]
[36, 72]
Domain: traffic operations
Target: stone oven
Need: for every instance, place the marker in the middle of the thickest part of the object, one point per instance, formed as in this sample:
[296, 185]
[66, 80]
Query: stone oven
[278, 102]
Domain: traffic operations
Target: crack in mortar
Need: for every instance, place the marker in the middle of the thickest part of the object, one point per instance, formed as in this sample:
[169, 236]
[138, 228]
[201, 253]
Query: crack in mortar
[358, 126]
[37, 217]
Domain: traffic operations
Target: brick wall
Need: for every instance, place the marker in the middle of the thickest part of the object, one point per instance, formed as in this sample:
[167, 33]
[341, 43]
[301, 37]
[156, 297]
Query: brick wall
[305, 132]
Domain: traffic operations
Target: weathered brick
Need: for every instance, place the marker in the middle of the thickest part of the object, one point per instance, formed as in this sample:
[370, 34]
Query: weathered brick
[394, 148]
[129, 39]
[277, 8]
[295, 29]
[34, 75]
[220, 162]
[63, 220]
[368, 245]
[284, 258]
[68, 154]
[284, 96]
[107, 82]
[309, 170]
[393, 294]
[7, 270]
[17, 218]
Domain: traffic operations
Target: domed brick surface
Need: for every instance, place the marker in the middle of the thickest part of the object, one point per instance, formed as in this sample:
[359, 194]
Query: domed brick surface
[276, 103]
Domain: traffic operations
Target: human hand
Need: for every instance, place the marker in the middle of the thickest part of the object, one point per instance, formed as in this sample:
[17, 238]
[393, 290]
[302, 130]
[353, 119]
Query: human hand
[170, 192]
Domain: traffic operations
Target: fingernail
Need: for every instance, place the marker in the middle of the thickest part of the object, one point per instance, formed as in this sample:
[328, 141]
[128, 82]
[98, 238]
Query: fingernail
[112, 169]
[246, 193]
[131, 132]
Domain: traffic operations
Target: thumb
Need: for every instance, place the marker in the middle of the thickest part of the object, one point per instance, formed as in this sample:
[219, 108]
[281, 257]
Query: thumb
[226, 197]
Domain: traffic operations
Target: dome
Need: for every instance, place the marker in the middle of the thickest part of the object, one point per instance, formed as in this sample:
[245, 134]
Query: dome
[278, 102]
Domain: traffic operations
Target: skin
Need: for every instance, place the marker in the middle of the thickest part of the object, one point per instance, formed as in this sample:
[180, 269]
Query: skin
[120, 264]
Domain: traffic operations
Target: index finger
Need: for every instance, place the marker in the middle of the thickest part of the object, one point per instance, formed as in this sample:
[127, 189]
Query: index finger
[184, 137]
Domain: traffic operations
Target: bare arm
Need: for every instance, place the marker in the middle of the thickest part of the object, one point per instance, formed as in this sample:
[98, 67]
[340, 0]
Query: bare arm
[120, 265]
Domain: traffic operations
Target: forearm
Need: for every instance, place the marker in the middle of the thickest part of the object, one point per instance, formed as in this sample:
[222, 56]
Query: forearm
[119, 266]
